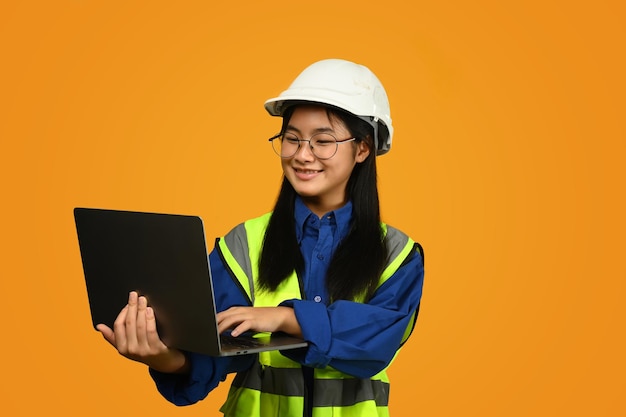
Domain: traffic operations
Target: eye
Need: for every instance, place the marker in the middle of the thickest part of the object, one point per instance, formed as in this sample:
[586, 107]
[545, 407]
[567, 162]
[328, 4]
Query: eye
[291, 139]
[323, 140]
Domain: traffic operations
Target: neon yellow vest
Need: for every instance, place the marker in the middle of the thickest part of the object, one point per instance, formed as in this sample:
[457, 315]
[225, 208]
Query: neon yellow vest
[275, 385]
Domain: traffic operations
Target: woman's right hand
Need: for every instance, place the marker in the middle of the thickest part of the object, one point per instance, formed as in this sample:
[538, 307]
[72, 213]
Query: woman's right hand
[135, 336]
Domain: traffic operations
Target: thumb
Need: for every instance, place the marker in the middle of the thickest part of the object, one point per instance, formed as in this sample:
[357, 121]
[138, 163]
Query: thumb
[107, 333]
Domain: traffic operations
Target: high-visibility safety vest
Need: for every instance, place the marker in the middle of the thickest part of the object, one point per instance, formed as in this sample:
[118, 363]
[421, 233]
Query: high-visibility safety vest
[275, 385]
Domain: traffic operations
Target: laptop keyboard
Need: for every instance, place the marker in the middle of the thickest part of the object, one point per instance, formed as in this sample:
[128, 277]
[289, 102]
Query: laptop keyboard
[240, 343]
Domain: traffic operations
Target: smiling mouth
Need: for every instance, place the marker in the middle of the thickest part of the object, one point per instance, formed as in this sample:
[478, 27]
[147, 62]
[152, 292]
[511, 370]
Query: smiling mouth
[307, 171]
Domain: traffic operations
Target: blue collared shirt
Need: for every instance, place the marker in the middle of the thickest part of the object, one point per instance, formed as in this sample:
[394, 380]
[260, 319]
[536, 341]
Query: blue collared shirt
[359, 339]
[318, 239]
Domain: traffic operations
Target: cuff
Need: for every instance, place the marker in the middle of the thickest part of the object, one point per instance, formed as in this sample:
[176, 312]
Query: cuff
[315, 325]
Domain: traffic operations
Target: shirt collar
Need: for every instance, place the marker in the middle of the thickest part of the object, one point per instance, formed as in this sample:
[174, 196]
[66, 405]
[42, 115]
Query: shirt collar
[343, 216]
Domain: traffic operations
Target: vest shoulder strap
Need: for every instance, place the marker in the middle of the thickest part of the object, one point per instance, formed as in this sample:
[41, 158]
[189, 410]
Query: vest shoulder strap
[399, 247]
[241, 253]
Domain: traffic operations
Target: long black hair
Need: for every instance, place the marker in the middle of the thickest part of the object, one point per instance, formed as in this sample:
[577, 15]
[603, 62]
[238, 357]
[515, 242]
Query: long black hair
[359, 260]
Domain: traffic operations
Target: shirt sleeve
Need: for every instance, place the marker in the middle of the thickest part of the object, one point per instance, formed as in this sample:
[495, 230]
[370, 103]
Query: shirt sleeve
[356, 338]
[206, 372]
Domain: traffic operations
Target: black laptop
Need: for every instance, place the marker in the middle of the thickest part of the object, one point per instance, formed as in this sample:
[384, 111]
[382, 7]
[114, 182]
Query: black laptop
[163, 257]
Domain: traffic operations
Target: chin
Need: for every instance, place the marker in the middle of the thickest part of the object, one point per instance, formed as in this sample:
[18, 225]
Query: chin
[306, 193]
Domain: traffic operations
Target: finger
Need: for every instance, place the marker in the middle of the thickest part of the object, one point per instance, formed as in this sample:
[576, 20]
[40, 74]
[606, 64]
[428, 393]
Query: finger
[119, 327]
[224, 319]
[230, 321]
[107, 333]
[222, 315]
[151, 330]
[234, 313]
[223, 326]
[241, 328]
[238, 323]
[140, 322]
[131, 321]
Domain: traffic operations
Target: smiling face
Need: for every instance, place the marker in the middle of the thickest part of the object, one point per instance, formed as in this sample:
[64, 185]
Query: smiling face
[321, 183]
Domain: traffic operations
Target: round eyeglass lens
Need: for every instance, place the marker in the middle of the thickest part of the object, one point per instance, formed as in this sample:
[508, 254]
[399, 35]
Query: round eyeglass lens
[288, 145]
[324, 145]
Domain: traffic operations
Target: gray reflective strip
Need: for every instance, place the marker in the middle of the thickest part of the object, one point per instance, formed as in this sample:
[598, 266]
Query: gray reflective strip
[280, 381]
[396, 241]
[347, 392]
[327, 392]
[237, 243]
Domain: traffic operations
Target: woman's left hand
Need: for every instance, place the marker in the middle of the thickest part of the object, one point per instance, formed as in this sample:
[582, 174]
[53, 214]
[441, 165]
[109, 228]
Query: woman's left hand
[259, 319]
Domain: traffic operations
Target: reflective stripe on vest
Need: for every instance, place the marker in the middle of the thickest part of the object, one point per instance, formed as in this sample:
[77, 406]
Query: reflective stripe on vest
[268, 391]
[275, 384]
[336, 392]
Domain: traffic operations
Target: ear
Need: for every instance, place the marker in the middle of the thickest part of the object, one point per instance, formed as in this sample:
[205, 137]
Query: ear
[362, 151]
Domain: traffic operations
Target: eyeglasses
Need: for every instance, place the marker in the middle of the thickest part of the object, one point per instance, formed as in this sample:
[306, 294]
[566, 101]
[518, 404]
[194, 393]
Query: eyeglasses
[323, 145]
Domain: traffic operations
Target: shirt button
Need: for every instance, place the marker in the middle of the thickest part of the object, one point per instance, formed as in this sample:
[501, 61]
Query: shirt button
[320, 256]
[317, 299]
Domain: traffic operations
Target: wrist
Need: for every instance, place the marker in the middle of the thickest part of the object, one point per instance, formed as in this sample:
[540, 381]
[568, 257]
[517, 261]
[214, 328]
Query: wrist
[174, 362]
[290, 323]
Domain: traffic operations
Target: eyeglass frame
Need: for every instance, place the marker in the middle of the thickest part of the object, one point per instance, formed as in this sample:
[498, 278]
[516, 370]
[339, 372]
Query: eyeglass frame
[337, 143]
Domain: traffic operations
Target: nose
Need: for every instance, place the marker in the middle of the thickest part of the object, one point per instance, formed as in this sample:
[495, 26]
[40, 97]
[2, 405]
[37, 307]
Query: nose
[305, 151]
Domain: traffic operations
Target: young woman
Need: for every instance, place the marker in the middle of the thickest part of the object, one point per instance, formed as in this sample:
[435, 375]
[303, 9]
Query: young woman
[321, 266]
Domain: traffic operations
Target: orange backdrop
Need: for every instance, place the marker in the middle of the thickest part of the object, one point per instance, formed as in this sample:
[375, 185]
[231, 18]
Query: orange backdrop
[507, 165]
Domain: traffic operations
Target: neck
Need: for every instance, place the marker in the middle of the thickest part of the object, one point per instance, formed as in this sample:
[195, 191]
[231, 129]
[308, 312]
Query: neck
[320, 207]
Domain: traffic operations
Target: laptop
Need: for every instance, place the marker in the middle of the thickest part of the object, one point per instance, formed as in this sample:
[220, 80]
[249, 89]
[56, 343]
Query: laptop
[163, 257]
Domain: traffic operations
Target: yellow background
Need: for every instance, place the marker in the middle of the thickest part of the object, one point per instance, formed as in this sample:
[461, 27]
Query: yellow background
[507, 165]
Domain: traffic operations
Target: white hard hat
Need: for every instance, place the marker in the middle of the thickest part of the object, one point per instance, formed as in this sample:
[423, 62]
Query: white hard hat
[346, 85]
